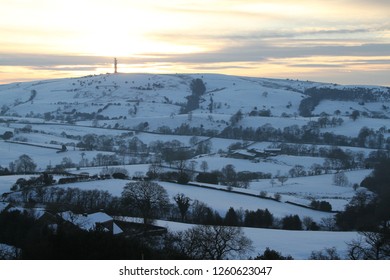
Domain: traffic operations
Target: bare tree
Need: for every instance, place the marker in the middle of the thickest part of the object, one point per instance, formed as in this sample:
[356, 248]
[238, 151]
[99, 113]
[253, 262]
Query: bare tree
[229, 175]
[325, 254]
[371, 246]
[149, 198]
[328, 223]
[214, 242]
[282, 179]
[309, 223]
[183, 203]
[25, 164]
[204, 166]
[297, 171]
[192, 167]
[340, 179]
[154, 170]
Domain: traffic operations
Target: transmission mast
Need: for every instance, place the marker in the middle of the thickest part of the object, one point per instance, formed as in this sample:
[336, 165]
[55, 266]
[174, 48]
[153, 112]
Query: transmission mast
[116, 65]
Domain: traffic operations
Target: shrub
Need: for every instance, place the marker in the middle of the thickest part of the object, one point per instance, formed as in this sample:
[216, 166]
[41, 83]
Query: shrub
[292, 222]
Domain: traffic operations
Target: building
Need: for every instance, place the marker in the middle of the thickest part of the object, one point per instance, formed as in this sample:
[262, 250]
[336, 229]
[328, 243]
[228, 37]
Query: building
[243, 154]
[97, 221]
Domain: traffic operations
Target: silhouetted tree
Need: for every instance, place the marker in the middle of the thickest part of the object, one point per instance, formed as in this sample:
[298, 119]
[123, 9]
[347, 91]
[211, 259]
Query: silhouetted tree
[183, 203]
[325, 254]
[211, 242]
[372, 246]
[149, 198]
[269, 254]
[292, 222]
[231, 218]
[340, 179]
[197, 87]
[354, 115]
[25, 164]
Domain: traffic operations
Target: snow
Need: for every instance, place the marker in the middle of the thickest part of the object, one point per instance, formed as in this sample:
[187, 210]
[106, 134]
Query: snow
[132, 99]
[89, 222]
[113, 186]
[216, 162]
[304, 189]
[221, 201]
[42, 156]
[6, 182]
[3, 206]
[298, 244]
[352, 128]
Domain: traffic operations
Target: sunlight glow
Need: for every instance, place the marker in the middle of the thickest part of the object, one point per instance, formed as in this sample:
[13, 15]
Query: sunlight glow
[249, 37]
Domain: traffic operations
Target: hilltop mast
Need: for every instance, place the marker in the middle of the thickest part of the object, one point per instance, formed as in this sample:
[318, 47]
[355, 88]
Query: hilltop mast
[116, 65]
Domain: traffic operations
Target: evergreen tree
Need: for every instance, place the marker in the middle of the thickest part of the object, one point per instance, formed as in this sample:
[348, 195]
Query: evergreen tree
[231, 218]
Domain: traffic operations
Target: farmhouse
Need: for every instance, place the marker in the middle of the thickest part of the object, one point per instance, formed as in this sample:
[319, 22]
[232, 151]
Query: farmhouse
[265, 152]
[96, 221]
[243, 154]
[251, 154]
[273, 152]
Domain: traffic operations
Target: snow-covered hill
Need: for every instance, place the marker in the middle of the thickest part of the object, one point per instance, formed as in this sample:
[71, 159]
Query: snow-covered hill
[257, 125]
[125, 100]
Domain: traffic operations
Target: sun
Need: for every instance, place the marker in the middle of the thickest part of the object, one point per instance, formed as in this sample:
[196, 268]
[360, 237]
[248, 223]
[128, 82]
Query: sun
[131, 31]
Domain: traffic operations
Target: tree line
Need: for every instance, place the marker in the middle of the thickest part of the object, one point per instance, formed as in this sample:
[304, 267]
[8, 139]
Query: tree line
[316, 95]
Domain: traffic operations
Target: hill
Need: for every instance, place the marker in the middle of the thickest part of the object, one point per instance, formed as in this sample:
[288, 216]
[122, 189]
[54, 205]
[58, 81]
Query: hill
[259, 143]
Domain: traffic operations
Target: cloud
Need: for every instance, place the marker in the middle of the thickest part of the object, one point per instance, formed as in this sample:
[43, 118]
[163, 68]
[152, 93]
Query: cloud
[45, 60]
[364, 33]
[76, 68]
[379, 3]
[219, 67]
[252, 51]
[317, 65]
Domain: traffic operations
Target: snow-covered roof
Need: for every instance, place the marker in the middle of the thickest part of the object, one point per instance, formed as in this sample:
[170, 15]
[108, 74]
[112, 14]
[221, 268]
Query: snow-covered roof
[3, 206]
[116, 229]
[99, 217]
[257, 151]
[89, 222]
[243, 153]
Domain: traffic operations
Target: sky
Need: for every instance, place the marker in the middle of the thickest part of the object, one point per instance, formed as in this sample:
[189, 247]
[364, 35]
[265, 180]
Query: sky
[338, 41]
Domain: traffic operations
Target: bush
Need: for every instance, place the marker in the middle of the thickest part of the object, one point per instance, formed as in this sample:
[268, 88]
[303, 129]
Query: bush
[272, 255]
[321, 205]
[119, 175]
[292, 222]
[207, 177]
[277, 196]
[325, 254]
[183, 178]
[259, 218]
[169, 176]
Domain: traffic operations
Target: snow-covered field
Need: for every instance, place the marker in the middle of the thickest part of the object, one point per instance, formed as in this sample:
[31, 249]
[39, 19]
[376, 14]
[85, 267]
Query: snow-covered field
[43, 157]
[298, 244]
[49, 114]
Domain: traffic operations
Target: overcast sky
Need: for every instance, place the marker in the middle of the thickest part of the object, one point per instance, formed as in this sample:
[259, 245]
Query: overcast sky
[340, 41]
